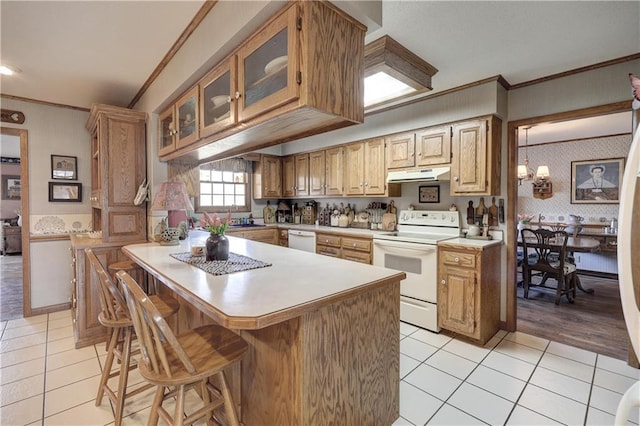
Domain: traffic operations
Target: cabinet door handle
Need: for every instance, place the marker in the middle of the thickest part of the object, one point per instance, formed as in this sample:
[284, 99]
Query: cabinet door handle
[456, 259]
[230, 99]
[238, 95]
[419, 154]
[455, 178]
[443, 282]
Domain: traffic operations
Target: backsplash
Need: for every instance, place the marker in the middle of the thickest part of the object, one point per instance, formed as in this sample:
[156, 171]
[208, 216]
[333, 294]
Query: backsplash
[558, 156]
[59, 224]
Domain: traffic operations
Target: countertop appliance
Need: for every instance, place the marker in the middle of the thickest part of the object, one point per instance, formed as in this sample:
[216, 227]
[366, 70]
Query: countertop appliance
[302, 240]
[413, 249]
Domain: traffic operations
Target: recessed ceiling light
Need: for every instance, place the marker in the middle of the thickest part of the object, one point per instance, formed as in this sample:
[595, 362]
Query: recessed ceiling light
[8, 70]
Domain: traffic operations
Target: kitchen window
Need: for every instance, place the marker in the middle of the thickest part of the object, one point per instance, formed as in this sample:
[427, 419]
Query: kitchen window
[224, 186]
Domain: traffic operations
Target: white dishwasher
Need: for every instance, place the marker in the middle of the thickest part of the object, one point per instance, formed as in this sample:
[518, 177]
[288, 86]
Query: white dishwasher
[302, 240]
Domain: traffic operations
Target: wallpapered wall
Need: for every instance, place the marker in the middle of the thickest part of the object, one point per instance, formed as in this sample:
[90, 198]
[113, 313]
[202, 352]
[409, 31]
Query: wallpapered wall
[558, 156]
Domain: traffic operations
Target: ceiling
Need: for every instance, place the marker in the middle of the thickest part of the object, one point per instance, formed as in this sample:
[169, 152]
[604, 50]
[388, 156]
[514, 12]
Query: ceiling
[83, 52]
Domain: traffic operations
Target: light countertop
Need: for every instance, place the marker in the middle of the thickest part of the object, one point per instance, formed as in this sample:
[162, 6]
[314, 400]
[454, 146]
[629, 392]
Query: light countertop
[468, 242]
[296, 282]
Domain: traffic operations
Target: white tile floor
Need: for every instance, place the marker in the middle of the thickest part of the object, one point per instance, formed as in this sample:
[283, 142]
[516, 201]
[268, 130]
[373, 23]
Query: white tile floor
[514, 379]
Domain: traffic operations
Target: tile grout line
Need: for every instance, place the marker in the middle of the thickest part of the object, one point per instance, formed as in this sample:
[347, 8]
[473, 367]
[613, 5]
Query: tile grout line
[44, 381]
[527, 383]
[463, 381]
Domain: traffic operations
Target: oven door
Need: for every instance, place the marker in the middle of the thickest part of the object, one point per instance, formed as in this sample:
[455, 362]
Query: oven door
[418, 261]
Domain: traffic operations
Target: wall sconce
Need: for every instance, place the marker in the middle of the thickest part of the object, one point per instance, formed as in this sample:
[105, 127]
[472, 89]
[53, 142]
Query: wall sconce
[542, 187]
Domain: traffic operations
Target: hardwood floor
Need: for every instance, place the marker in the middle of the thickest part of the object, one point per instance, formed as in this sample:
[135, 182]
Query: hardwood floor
[10, 287]
[594, 322]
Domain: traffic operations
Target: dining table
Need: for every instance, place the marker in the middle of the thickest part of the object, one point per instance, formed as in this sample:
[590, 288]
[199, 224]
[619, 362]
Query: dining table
[578, 245]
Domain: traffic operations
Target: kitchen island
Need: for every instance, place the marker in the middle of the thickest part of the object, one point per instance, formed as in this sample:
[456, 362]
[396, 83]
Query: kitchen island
[323, 332]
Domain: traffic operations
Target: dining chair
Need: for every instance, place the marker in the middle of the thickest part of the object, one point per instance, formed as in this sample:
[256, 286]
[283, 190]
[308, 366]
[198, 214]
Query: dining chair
[116, 318]
[194, 359]
[550, 249]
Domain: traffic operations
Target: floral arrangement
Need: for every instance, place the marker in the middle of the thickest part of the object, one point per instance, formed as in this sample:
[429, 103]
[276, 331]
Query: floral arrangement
[525, 218]
[215, 224]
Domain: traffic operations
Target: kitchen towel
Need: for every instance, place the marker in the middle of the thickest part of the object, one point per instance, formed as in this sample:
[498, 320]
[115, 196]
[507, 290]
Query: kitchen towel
[236, 263]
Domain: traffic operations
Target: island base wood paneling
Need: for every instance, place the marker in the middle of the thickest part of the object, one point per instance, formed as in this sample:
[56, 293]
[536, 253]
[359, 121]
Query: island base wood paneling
[315, 368]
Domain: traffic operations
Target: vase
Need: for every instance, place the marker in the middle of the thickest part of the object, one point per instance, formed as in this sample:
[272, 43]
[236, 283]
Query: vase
[217, 246]
[523, 225]
[19, 220]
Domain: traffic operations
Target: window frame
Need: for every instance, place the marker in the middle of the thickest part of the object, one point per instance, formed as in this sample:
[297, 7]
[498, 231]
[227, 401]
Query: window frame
[199, 208]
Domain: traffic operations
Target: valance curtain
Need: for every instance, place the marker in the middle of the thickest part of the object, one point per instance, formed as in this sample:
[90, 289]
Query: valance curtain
[237, 165]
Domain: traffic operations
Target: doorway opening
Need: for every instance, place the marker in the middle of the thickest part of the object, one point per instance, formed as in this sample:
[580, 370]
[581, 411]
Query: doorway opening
[573, 324]
[15, 268]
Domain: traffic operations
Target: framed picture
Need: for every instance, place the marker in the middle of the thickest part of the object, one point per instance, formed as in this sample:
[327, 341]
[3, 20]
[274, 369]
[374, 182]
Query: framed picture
[429, 194]
[596, 181]
[64, 167]
[11, 189]
[71, 192]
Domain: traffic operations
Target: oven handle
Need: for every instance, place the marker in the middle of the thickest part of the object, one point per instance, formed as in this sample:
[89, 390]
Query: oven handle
[425, 248]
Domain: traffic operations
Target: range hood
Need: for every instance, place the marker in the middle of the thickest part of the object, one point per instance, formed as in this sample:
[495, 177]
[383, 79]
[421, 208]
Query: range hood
[433, 174]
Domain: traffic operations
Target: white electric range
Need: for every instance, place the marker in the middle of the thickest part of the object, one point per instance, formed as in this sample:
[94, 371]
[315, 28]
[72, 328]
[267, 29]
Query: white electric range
[413, 250]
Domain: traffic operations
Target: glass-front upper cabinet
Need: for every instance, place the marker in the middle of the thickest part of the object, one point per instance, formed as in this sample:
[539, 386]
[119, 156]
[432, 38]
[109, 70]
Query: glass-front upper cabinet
[217, 98]
[268, 72]
[187, 116]
[166, 131]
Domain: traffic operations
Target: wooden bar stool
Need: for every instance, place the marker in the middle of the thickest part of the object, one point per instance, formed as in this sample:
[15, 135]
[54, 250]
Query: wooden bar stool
[177, 363]
[116, 318]
[131, 268]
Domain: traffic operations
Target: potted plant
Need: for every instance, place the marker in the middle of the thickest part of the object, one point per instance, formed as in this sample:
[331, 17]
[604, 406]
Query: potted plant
[217, 245]
[524, 221]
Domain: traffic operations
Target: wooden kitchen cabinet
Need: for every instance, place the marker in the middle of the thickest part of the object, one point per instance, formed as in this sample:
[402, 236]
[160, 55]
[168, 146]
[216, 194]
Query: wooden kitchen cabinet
[328, 244]
[292, 80]
[263, 235]
[425, 147]
[295, 175]
[283, 237]
[317, 173]
[356, 249]
[267, 177]
[118, 167]
[401, 150]
[433, 146]
[267, 73]
[217, 102]
[475, 163]
[289, 176]
[365, 168]
[334, 171]
[469, 290]
[302, 175]
[85, 299]
[179, 123]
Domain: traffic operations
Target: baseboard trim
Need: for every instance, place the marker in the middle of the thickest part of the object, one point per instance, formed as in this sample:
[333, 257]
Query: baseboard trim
[598, 274]
[50, 309]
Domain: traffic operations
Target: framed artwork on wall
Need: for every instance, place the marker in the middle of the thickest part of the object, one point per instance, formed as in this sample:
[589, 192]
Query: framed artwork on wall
[429, 194]
[596, 181]
[11, 188]
[64, 167]
[69, 192]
